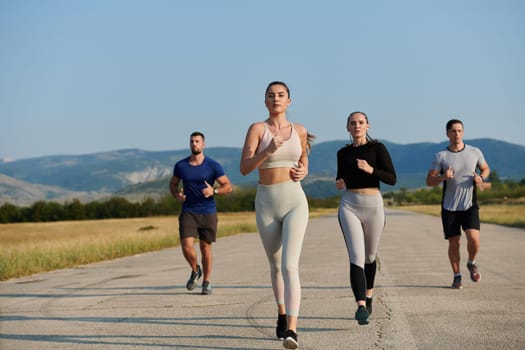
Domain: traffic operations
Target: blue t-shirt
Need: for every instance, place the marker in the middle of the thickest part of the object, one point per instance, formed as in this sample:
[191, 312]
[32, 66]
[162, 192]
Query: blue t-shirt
[193, 177]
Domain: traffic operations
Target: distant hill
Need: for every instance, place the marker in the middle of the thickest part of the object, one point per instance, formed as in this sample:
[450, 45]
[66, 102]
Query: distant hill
[24, 194]
[135, 173]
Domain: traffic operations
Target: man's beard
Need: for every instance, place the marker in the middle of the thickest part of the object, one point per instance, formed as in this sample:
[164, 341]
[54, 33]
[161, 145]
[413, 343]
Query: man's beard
[196, 151]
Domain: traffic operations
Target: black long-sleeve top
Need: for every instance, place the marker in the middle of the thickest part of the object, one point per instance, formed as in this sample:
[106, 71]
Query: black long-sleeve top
[377, 156]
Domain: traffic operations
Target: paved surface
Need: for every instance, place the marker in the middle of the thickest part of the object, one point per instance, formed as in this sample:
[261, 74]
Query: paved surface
[140, 302]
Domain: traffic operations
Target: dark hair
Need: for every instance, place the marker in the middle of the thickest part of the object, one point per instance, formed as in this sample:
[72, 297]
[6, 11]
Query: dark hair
[368, 137]
[197, 133]
[277, 83]
[309, 141]
[309, 137]
[452, 122]
[352, 114]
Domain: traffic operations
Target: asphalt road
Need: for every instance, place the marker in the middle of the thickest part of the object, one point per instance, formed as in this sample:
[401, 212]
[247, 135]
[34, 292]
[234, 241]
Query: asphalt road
[141, 302]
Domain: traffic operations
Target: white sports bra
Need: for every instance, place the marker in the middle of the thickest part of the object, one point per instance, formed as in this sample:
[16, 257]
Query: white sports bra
[285, 156]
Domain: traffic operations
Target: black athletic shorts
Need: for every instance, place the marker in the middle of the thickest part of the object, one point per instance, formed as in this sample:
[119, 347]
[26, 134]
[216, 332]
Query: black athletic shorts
[454, 221]
[203, 226]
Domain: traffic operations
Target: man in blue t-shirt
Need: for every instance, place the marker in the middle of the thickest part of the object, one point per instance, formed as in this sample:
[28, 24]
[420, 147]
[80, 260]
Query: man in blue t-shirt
[456, 167]
[198, 217]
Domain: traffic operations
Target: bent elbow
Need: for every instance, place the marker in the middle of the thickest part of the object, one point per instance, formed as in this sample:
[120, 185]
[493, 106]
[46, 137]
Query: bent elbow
[244, 171]
[392, 180]
[245, 168]
[227, 189]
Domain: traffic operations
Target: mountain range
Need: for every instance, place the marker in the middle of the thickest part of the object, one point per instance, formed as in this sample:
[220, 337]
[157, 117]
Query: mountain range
[136, 174]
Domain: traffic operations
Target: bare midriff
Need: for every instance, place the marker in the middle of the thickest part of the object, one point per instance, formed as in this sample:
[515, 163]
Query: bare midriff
[369, 191]
[272, 176]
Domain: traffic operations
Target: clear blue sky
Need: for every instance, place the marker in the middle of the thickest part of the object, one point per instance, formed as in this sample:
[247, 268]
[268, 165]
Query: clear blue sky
[80, 77]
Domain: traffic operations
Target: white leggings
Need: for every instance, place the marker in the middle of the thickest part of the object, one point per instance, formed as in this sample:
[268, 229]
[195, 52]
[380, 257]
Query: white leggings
[282, 216]
[362, 220]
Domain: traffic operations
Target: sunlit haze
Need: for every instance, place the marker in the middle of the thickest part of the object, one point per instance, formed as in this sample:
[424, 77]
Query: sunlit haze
[81, 77]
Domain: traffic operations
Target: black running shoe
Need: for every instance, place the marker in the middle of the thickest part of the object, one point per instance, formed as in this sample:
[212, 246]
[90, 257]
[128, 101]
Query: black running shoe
[369, 305]
[280, 330]
[361, 315]
[475, 276]
[206, 288]
[290, 340]
[194, 277]
[456, 283]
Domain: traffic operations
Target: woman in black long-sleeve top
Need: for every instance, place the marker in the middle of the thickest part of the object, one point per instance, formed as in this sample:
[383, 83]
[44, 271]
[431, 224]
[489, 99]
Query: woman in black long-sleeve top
[361, 166]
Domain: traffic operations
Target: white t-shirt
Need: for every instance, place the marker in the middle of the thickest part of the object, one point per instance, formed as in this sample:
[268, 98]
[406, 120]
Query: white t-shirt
[459, 193]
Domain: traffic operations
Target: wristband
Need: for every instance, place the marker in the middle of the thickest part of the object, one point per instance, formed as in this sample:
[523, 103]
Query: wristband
[216, 191]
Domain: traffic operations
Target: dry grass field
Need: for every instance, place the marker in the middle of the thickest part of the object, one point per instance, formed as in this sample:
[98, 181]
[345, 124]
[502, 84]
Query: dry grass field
[501, 214]
[29, 248]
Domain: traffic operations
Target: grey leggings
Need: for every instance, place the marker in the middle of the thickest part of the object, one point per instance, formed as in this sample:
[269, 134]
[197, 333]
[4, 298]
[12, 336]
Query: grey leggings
[282, 216]
[362, 220]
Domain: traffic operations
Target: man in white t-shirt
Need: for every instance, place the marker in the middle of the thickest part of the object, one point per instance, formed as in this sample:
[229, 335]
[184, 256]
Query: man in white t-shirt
[456, 167]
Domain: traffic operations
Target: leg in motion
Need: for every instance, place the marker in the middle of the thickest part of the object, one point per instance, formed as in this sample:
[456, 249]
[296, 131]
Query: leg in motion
[207, 261]
[191, 257]
[473, 248]
[454, 244]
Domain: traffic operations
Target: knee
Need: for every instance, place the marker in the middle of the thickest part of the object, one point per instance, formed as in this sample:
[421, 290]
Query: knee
[187, 247]
[290, 270]
[205, 246]
[370, 259]
[275, 264]
[275, 268]
[472, 235]
[359, 262]
[454, 242]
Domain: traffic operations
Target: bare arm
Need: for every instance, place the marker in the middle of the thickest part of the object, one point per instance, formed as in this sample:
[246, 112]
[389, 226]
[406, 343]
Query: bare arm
[300, 172]
[174, 185]
[225, 186]
[434, 177]
[249, 160]
[174, 189]
[485, 171]
[483, 175]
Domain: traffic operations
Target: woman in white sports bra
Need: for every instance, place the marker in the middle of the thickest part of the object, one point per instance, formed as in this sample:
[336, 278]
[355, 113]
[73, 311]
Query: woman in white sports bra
[279, 150]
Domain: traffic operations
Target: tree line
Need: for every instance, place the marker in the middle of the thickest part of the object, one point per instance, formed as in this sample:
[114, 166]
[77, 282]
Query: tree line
[117, 207]
[240, 200]
[502, 191]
